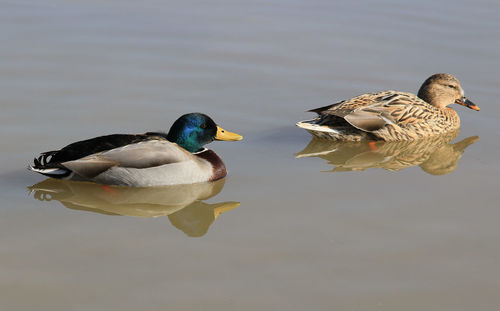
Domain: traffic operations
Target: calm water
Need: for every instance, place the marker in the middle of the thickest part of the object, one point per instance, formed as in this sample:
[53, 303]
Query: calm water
[297, 224]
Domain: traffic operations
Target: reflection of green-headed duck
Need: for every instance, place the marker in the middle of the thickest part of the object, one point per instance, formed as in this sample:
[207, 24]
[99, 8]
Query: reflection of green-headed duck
[195, 219]
[142, 160]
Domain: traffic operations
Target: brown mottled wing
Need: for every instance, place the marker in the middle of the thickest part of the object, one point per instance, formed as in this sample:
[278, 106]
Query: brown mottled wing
[343, 108]
[371, 112]
[404, 109]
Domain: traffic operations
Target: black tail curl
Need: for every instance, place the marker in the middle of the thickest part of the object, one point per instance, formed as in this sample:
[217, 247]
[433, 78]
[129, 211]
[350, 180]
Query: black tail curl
[44, 159]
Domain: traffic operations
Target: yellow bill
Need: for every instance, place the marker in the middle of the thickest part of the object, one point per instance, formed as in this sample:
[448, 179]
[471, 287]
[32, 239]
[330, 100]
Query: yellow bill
[222, 134]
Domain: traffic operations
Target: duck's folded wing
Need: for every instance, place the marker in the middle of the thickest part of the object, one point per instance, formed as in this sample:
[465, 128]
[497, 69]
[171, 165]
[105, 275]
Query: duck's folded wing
[398, 109]
[140, 155]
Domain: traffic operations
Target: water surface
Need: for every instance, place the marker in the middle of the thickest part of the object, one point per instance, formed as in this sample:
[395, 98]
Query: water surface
[301, 238]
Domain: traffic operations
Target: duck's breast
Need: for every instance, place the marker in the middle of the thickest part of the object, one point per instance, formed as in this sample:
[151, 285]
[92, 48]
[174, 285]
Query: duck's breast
[217, 165]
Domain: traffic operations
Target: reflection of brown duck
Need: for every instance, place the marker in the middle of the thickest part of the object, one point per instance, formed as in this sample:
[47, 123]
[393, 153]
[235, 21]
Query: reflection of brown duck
[182, 203]
[435, 155]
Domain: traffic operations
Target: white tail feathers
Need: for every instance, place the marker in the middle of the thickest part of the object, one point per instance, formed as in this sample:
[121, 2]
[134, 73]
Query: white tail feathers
[312, 126]
[49, 171]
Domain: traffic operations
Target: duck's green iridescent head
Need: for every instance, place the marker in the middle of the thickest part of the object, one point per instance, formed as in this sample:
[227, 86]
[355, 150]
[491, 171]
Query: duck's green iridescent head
[194, 130]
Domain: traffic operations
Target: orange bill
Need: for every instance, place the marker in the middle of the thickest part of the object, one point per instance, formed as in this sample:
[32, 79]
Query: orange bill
[464, 101]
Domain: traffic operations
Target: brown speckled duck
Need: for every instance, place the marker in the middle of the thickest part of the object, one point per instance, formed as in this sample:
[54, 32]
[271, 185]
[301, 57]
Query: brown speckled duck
[392, 115]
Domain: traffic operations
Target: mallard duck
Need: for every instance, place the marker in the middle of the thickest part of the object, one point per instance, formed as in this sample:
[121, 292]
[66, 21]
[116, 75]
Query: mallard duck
[392, 115]
[143, 160]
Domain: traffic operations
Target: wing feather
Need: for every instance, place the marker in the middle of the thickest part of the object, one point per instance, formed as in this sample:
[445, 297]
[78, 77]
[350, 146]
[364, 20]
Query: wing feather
[372, 112]
[144, 154]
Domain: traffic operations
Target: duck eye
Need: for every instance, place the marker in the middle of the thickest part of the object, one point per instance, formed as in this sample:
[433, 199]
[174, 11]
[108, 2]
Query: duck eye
[203, 126]
[452, 86]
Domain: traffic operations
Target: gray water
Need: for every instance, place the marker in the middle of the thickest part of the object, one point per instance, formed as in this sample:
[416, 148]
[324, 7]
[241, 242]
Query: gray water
[295, 225]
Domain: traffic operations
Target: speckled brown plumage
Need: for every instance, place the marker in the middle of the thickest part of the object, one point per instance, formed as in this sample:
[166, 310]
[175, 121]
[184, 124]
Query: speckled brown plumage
[392, 115]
